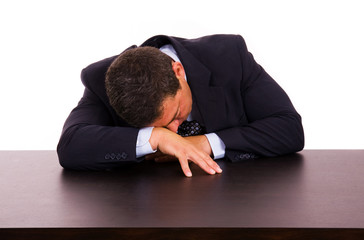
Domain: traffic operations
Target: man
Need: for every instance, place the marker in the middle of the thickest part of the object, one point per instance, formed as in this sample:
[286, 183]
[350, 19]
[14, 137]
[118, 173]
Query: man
[134, 104]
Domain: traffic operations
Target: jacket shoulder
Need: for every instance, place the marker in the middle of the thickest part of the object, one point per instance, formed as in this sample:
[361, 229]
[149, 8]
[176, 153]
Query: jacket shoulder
[212, 39]
[95, 72]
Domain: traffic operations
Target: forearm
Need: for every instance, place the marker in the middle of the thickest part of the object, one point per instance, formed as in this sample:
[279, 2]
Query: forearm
[93, 147]
[272, 136]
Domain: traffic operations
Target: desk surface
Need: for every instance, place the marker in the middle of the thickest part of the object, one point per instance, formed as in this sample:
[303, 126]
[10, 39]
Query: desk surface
[314, 189]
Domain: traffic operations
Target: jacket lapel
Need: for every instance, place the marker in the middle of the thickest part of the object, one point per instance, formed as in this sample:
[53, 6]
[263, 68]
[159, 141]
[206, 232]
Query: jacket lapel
[208, 101]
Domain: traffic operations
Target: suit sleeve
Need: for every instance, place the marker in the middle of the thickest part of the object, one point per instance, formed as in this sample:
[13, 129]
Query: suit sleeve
[273, 126]
[89, 140]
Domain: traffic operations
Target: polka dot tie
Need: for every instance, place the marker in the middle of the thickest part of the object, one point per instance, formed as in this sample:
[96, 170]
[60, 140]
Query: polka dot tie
[190, 128]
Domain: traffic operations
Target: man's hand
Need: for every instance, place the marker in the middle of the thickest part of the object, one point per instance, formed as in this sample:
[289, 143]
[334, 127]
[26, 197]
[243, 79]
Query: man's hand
[201, 142]
[184, 149]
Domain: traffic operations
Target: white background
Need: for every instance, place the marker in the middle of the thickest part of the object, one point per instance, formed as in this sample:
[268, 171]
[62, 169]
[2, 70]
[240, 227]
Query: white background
[313, 49]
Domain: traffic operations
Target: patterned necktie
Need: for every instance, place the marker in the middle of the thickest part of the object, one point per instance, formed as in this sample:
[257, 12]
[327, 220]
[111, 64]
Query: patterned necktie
[190, 128]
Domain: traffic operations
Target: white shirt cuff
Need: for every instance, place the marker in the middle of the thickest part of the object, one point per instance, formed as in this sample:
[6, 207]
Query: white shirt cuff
[142, 145]
[217, 145]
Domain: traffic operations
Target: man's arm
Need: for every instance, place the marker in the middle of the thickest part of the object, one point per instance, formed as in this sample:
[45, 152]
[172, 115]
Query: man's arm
[89, 140]
[273, 126]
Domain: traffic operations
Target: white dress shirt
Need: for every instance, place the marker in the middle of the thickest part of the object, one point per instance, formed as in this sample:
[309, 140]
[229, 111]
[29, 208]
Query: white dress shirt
[143, 146]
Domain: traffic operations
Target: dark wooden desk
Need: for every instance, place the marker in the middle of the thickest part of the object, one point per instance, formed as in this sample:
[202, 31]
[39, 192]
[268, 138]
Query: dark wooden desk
[315, 194]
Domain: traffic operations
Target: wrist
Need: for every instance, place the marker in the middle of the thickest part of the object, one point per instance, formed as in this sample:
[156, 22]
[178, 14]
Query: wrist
[155, 137]
[206, 146]
[217, 145]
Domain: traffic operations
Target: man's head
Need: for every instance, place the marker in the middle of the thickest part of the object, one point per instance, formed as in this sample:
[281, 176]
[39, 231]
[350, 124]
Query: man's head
[147, 88]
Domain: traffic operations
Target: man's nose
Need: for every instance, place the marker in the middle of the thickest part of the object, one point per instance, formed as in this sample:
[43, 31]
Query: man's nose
[173, 126]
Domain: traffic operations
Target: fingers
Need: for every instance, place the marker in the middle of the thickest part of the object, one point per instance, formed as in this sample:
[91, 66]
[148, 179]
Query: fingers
[203, 151]
[213, 165]
[185, 167]
[207, 164]
[172, 144]
[204, 161]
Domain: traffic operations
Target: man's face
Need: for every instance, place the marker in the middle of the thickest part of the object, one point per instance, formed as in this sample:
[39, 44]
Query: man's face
[177, 108]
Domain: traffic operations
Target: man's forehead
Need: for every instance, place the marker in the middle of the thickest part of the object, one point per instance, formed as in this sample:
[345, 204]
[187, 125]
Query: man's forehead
[170, 110]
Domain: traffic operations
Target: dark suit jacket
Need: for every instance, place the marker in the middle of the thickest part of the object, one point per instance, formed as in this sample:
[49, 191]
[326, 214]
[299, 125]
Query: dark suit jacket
[232, 96]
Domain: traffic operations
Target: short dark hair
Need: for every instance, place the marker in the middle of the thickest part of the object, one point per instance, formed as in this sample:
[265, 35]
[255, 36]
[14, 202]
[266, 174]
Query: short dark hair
[137, 83]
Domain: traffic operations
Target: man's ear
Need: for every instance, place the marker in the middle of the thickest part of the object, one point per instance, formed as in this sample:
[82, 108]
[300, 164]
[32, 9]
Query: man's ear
[178, 70]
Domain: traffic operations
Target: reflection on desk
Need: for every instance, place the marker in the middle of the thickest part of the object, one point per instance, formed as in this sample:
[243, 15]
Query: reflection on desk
[315, 193]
